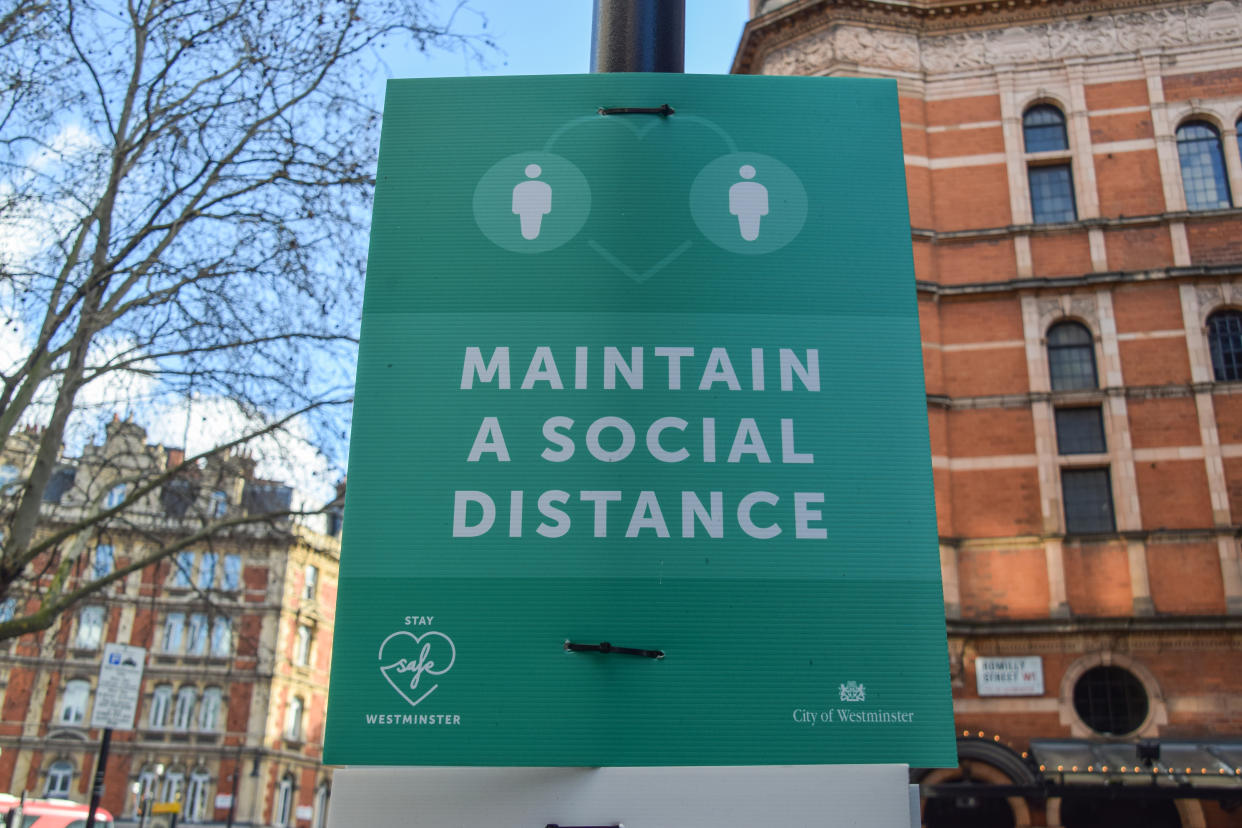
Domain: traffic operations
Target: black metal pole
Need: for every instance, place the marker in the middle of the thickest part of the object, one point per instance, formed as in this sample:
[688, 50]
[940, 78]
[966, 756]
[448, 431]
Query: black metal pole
[233, 796]
[98, 784]
[639, 36]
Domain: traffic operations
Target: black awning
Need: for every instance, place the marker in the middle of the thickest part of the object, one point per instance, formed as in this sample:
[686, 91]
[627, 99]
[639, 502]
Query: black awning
[1149, 769]
[1202, 765]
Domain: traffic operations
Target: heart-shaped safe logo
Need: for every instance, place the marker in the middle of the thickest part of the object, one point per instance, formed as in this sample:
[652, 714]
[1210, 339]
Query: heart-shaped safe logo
[405, 658]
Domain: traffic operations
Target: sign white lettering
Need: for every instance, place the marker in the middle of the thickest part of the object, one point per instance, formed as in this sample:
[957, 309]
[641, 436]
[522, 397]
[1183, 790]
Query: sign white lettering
[224, 800]
[1010, 676]
[304, 812]
[120, 681]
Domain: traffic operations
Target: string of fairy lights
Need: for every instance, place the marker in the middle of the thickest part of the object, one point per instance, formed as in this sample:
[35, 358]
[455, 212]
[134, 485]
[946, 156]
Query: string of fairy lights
[1132, 770]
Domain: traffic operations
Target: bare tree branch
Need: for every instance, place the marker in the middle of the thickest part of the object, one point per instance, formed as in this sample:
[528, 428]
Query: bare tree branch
[183, 195]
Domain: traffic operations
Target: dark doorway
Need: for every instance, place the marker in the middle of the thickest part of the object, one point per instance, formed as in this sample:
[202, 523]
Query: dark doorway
[967, 810]
[1093, 812]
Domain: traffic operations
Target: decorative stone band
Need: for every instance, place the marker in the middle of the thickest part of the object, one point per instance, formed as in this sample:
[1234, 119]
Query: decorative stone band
[1103, 34]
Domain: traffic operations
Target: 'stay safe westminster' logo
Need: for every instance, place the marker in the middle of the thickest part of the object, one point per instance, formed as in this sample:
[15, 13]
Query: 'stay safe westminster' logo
[405, 658]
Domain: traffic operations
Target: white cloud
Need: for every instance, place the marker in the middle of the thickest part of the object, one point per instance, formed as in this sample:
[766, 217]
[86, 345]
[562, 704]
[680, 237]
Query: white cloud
[41, 211]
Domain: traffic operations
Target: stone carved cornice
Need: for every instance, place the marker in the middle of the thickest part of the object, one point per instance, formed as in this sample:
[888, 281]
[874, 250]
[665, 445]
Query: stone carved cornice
[811, 36]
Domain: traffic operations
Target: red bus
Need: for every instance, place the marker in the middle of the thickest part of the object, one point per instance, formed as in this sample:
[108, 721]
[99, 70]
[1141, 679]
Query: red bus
[50, 813]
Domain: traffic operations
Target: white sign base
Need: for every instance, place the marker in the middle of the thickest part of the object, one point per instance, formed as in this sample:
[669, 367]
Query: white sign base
[791, 796]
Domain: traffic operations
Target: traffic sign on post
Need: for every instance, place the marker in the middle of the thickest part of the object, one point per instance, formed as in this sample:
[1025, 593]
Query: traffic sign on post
[120, 684]
[639, 471]
[116, 700]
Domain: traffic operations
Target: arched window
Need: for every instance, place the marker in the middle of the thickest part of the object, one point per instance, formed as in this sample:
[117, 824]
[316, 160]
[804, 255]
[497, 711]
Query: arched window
[221, 636]
[183, 714]
[302, 646]
[209, 710]
[115, 496]
[1071, 357]
[174, 781]
[196, 643]
[1203, 166]
[232, 573]
[73, 702]
[174, 632]
[284, 800]
[161, 700]
[293, 719]
[183, 569]
[90, 628]
[323, 794]
[310, 581]
[148, 779]
[1043, 129]
[104, 562]
[197, 804]
[59, 777]
[1225, 342]
[206, 577]
[1049, 175]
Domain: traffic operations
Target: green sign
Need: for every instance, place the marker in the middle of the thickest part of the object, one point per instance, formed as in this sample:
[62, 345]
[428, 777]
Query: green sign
[647, 383]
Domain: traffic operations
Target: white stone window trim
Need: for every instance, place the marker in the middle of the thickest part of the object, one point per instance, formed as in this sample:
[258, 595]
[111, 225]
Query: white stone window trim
[59, 779]
[183, 709]
[74, 701]
[210, 708]
[147, 781]
[172, 639]
[172, 786]
[304, 642]
[294, 713]
[323, 796]
[310, 582]
[1217, 114]
[283, 809]
[198, 806]
[221, 643]
[1023, 209]
[1092, 324]
[161, 702]
[91, 623]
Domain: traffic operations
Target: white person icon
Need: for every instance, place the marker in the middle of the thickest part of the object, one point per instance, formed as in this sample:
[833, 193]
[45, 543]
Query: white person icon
[516, 194]
[532, 200]
[748, 200]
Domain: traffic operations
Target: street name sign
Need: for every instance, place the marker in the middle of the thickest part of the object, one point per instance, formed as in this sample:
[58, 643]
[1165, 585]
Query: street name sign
[639, 472]
[120, 684]
[1023, 676]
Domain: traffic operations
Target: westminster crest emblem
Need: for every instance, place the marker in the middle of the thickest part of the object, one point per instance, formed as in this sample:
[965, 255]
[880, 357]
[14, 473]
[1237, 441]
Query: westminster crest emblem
[853, 692]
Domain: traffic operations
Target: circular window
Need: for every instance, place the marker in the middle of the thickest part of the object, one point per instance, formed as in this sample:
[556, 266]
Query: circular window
[1111, 700]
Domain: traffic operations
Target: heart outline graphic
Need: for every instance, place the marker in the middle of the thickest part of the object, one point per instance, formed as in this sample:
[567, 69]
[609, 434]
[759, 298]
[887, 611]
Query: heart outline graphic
[423, 665]
[639, 128]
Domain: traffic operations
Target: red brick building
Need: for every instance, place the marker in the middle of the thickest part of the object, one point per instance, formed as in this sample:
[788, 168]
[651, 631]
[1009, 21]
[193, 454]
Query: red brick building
[1075, 193]
[238, 633]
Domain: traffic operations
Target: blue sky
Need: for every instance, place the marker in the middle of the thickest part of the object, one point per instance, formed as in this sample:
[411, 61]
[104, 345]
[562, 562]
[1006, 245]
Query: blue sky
[552, 37]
